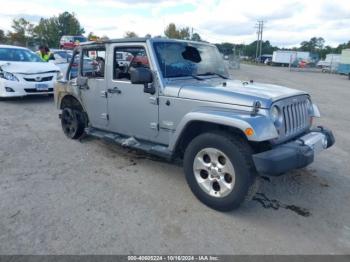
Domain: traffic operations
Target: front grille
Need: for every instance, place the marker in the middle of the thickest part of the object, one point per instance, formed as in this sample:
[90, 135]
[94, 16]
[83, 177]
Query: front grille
[33, 90]
[41, 79]
[296, 118]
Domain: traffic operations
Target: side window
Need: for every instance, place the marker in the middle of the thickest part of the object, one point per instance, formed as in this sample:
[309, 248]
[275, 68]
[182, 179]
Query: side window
[93, 64]
[126, 57]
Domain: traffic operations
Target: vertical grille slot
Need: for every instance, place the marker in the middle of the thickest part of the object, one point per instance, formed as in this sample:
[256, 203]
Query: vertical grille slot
[295, 116]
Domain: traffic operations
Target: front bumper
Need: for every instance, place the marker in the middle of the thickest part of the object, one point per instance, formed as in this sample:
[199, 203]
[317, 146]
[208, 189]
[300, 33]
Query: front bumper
[296, 154]
[24, 88]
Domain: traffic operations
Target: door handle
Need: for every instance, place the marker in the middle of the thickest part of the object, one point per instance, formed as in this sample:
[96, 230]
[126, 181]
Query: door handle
[114, 90]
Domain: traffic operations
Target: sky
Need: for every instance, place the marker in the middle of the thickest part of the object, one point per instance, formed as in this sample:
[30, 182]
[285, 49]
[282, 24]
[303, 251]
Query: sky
[287, 22]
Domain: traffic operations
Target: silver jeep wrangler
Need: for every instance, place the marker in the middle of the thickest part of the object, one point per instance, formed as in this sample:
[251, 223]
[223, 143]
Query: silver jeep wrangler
[174, 99]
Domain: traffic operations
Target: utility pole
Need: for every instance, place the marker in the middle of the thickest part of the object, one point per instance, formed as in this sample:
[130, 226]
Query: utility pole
[260, 27]
[257, 42]
[261, 34]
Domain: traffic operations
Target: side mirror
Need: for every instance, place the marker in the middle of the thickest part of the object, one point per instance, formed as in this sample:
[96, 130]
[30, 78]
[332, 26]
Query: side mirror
[140, 75]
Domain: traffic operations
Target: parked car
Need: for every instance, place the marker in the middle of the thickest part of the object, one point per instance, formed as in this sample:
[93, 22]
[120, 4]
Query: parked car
[185, 106]
[123, 59]
[61, 59]
[22, 72]
[69, 41]
[265, 58]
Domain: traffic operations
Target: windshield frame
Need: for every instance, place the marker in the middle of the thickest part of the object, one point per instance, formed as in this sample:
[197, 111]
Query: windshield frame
[218, 58]
[24, 50]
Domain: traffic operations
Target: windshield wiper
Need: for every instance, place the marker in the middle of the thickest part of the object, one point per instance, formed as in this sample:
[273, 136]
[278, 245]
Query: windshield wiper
[213, 73]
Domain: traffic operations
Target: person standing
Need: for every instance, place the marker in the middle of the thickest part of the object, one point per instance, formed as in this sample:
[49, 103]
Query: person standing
[44, 53]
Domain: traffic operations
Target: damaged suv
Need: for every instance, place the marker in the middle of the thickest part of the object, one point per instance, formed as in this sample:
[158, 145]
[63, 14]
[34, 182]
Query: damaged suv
[175, 99]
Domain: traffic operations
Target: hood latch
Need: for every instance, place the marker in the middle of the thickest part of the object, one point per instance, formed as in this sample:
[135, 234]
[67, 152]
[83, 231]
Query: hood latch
[256, 107]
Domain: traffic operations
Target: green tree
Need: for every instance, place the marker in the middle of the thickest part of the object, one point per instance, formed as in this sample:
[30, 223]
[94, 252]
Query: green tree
[315, 44]
[196, 37]
[3, 38]
[22, 32]
[50, 30]
[68, 24]
[247, 50]
[171, 31]
[184, 33]
[225, 48]
[340, 47]
[47, 32]
[130, 34]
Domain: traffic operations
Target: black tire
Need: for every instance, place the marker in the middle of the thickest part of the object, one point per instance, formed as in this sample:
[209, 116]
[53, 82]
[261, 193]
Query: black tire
[239, 153]
[72, 121]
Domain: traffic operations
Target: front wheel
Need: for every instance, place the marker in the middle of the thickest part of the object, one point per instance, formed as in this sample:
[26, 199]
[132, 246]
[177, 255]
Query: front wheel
[219, 170]
[72, 121]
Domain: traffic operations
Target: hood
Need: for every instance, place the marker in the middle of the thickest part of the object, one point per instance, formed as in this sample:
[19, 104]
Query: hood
[235, 92]
[28, 67]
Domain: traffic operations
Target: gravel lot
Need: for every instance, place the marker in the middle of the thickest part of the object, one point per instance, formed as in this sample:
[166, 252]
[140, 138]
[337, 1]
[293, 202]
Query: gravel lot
[59, 196]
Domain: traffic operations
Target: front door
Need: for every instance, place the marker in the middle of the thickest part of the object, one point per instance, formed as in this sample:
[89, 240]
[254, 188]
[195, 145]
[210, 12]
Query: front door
[94, 94]
[132, 112]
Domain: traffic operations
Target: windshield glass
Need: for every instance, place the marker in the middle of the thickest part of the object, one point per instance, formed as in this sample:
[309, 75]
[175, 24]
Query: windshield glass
[177, 59]
[18, 55]
[64, 54]
[79, 38]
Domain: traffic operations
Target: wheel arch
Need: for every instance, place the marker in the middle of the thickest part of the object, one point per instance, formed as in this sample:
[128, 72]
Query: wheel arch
[197, 122]
[70, 100]
[197, 127]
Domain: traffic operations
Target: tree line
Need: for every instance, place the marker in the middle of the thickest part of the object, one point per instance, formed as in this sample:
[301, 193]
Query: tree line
[49, 31]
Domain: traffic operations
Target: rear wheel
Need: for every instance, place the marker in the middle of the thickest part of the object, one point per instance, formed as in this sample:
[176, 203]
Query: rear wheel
[219, 170]
[72, 121]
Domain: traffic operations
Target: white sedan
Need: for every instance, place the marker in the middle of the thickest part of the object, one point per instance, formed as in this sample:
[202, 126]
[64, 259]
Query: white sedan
[22, 72]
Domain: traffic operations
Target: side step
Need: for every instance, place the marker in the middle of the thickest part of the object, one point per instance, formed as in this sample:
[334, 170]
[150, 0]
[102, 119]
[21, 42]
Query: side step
[131, 142]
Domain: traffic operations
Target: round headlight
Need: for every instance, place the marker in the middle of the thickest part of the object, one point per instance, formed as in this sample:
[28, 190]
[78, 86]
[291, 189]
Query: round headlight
[275, 114]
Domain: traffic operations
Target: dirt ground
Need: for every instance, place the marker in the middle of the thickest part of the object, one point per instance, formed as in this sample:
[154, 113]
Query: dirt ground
[59, 196]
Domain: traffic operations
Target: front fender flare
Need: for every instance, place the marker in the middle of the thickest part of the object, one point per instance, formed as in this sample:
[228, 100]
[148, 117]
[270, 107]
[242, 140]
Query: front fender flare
[262, 126]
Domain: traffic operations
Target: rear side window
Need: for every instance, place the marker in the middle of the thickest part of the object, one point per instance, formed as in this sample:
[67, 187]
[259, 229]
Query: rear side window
[93, 64]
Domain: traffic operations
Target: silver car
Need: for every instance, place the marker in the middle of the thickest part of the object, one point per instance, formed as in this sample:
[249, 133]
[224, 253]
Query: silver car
[178, 101]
